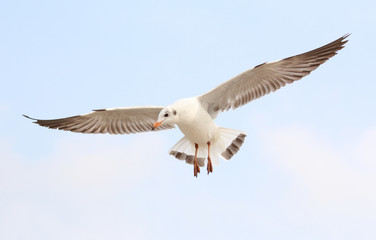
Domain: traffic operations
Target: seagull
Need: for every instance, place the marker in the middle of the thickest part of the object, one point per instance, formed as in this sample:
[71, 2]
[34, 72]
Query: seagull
[204, 142]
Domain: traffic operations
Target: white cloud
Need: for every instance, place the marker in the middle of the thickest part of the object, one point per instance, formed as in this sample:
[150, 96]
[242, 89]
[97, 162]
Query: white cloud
[365, 150]
[44, 198]
[100, 187]
[101, 164]
[89, 164]
[341, 179]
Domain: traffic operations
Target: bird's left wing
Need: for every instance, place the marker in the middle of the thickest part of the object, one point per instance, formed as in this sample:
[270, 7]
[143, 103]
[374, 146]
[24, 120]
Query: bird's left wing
[266, 78]
[113, 121]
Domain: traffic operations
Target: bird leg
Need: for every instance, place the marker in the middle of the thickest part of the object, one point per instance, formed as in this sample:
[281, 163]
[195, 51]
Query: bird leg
[209, 165]
[196, 167]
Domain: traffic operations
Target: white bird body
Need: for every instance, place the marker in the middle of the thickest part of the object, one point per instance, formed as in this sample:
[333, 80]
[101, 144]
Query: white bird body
[203, 140]
[199, 128]
[194, 121]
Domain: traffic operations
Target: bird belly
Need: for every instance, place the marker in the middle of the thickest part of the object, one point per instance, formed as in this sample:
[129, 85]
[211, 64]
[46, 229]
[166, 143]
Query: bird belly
[199, 132]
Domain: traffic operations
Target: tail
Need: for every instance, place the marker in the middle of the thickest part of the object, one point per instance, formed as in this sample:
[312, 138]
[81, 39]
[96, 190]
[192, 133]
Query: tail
[226, 145]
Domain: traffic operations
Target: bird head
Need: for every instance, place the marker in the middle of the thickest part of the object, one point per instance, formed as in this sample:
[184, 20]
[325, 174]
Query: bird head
[166, 115]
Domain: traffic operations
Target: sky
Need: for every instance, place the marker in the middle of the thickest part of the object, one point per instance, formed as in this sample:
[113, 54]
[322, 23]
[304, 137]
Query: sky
[307, 167]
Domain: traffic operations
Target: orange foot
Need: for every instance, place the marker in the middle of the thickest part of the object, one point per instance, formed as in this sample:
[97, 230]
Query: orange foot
[209, 166]
[196, 168]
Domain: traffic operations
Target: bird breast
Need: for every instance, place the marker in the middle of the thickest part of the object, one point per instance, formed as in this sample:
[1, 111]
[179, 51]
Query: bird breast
[196, 123]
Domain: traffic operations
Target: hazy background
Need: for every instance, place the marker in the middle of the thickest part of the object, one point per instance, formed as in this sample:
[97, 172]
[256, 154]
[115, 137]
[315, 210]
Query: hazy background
[306, 170]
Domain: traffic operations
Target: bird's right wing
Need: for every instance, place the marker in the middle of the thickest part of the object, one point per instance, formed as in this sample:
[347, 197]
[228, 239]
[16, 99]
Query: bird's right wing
[266, 78]
[113, 121]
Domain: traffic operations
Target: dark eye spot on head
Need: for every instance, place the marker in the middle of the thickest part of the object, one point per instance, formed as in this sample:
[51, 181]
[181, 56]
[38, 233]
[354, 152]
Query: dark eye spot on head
[174, 112]
[166, 115]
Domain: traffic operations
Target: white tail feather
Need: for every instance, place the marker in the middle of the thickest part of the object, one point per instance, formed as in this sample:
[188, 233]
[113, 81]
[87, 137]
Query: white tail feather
[224, 146]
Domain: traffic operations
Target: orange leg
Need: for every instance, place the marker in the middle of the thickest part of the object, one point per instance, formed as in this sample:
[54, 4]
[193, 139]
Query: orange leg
[196, 167]
[209, 165]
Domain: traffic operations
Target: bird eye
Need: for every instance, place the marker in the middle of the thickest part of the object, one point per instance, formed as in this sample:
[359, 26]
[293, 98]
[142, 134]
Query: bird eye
[166, 115]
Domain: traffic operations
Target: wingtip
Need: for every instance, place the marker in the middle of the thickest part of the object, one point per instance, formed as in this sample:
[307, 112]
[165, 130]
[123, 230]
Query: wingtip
[344, 38]
[26, 116]
[346, 35]
[29, 117]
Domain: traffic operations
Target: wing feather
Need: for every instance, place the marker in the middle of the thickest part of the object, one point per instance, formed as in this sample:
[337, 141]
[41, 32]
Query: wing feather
[266, 78]
[112, 121]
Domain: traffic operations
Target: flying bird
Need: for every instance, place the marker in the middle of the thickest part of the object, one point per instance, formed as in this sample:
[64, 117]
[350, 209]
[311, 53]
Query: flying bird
[204, 142]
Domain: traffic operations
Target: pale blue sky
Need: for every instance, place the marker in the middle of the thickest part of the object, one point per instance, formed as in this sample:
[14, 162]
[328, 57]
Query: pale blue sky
[306, 170]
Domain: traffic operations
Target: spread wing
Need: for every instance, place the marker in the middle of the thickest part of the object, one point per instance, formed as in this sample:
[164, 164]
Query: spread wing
[113, 121]
[266, 78]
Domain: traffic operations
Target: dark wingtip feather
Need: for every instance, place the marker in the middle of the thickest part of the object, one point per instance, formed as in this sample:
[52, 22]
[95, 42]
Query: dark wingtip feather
[30, 117]
[343, 39]
[346, 35]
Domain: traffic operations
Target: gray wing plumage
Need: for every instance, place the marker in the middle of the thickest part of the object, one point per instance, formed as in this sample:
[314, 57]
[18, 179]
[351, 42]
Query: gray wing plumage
[266, 78]
[113, 121]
